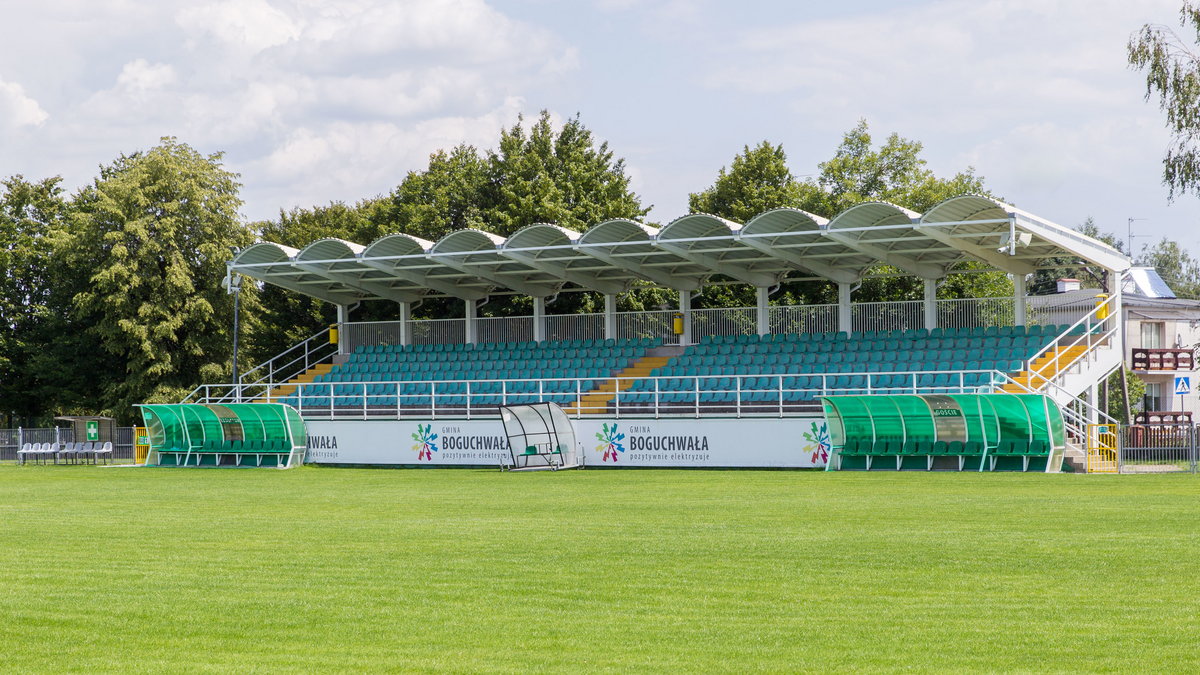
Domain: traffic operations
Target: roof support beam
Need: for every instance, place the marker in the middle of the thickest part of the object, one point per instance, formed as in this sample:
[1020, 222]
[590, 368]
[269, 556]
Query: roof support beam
[379, 288]
[915, 267]
[424, 279]
[803, 262]
[266, 276]
[483, 272]
[989, 256]
[561, 271]
[734, 271]
[651, 275]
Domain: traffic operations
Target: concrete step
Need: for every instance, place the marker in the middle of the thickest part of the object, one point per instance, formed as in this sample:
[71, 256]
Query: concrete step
[596, 400]
[290, 387]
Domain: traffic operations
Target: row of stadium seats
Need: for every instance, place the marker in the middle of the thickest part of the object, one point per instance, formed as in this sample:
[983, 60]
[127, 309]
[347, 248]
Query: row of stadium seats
[944, 360]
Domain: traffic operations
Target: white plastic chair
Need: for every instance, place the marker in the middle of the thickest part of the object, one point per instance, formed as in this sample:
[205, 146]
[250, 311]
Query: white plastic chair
[106, 450]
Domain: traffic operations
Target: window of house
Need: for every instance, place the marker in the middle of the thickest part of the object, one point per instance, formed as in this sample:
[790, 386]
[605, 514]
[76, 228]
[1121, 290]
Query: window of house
[1154, 392]
[1152, 335]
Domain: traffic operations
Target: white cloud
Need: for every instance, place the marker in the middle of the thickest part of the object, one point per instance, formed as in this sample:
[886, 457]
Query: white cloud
[140, 76]
[17, 109]
[252, 24]
[311, 100]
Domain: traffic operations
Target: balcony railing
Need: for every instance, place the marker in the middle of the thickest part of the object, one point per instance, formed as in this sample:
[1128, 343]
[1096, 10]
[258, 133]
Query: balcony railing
[1163, 359]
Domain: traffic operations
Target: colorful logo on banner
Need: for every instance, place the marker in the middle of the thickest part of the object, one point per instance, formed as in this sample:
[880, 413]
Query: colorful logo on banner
[818, 442]
[425, 442]
[610, 441]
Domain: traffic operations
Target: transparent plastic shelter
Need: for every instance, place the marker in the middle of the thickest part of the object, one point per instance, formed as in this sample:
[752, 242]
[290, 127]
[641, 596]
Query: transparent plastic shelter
[234, 434]
[997, 432]
[540, 436]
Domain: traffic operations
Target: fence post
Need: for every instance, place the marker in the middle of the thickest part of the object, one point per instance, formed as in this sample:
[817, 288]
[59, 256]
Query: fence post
[1192, 446]
[1123, 431]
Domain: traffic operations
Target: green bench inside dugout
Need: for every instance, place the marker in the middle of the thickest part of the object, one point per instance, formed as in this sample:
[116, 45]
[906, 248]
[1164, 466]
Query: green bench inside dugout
[987, 432]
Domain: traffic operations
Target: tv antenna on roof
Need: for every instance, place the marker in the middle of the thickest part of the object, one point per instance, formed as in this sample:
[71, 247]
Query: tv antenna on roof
[1129, 235]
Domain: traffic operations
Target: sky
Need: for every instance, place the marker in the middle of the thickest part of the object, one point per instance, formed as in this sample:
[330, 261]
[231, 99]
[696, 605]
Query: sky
[315, 101]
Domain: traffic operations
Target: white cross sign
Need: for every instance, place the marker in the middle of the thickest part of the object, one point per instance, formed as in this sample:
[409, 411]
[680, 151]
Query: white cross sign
[1183, 385]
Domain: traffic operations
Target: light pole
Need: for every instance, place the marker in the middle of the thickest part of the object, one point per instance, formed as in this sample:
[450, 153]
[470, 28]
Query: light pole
[235, 287]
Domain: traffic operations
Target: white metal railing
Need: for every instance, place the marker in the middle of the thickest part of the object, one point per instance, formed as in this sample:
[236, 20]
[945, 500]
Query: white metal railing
[697, 396]
[655, 324]
[439, 331]
[803, 319]
[575, 327]
[288, 364]
[1095, 329]
[504, 329]
[909, 314]
[722, 321]
[975, 312]
[902, 315]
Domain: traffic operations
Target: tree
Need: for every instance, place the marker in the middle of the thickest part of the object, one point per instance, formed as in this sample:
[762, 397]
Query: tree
[1172, 70]
[152, 235]
[448, 195]
[563, 178]
[895, 172]
[288, 317]
[757, 180]
[29, 213]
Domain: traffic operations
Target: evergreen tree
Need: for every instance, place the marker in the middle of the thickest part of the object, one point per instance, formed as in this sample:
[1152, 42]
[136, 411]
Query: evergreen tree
[29, 214]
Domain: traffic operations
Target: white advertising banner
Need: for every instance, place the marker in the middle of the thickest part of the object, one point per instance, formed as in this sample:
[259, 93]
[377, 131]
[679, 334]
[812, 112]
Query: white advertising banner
[792, 442]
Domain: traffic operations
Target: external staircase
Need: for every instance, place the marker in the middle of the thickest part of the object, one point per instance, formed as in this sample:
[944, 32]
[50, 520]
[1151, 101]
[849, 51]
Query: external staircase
[596, 401]
[289, 387]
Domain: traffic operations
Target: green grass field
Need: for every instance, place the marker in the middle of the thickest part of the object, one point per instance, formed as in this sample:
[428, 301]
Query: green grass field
[693, 571]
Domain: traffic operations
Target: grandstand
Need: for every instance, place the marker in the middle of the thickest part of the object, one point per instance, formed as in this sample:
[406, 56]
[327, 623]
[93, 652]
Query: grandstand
[764, 361]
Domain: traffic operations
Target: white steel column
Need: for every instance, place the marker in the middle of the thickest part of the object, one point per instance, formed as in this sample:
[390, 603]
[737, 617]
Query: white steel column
[685, 308]
[845, 320]
[343, 318]
[469, 331]
[1019, 309]
[539, 319]
[930, 304]
[610, 316]
[761, 308]
[1114, 282]
[405, 323]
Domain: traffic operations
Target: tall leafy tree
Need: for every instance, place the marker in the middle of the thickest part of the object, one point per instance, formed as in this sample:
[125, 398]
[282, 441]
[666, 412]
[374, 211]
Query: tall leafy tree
[757, 180]
[152, 235]
[1172, 67]
[29, 213]
[893, 172]
[288, 317]
[560, 177]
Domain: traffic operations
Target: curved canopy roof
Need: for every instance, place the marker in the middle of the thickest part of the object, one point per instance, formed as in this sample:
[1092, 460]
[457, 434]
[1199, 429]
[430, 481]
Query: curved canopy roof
[541, 259]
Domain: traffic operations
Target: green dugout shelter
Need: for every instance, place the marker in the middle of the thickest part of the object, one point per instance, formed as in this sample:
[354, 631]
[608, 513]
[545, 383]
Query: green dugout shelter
[994, 432]
[233, 434]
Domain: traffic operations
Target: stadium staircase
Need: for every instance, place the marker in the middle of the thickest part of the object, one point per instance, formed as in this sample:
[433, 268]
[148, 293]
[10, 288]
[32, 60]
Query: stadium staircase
[598, 400]
[288, 388]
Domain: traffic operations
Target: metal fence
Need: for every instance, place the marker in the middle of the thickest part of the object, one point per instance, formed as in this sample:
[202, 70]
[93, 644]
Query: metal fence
[1164, 448]
[964, 313]
[11, 440]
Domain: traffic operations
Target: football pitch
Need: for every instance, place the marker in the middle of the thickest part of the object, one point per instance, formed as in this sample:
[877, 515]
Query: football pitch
[613, 571]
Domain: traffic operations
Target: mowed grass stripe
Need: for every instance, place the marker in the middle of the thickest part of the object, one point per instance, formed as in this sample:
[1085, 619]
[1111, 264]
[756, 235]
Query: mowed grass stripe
[346, 569]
